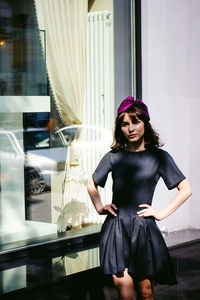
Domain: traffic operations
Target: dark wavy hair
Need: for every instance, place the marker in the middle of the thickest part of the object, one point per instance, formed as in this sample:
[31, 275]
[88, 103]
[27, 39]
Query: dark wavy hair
[151, 137]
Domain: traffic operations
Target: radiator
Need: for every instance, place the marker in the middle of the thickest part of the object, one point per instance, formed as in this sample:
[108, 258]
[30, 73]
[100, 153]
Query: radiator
[97, 108]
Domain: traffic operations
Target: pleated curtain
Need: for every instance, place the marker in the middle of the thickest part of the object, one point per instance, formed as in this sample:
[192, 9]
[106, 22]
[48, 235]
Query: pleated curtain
[65, 24]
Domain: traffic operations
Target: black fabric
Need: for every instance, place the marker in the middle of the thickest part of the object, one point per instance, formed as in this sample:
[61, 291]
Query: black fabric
[128, 241]
[101, 173]
[168, 170]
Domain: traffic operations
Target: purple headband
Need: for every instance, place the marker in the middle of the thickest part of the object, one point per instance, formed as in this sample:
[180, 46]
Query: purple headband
[129, 101]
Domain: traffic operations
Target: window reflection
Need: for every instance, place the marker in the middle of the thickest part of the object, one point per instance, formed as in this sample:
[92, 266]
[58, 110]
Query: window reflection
[45, 164]
[13, 279]
[75, 263]
[37, 272]
[86, 144]
[22, 68]
[48, 166]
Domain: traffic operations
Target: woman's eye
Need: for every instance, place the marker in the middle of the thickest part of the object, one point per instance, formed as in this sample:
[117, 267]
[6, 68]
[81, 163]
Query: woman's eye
[125, 124]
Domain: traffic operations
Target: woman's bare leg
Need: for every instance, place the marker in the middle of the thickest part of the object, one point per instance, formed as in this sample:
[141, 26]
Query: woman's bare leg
[125, 286]
[145, 289]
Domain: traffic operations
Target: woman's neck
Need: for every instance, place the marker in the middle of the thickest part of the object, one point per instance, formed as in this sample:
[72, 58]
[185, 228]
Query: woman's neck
[136, 146]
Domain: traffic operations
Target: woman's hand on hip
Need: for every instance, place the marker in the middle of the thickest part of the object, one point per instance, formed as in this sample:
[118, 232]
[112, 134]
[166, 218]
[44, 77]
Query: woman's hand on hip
[148, 211]
[108, 209]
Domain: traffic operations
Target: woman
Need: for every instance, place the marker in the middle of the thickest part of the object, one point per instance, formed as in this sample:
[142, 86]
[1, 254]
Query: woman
[132, 248]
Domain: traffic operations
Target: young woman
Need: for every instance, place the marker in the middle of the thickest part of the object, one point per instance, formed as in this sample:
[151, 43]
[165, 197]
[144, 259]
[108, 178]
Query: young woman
[132, 248]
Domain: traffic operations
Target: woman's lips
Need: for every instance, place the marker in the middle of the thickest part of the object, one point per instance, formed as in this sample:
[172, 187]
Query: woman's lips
[132, 135]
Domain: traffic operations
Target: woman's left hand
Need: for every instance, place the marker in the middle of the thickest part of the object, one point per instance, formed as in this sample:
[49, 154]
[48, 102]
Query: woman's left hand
[148, 211]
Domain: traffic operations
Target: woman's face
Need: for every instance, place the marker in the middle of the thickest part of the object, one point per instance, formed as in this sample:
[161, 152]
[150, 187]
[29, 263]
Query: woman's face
[133, 131]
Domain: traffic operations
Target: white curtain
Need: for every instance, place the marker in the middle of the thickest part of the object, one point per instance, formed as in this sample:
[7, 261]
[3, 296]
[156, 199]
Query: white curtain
[65, 24]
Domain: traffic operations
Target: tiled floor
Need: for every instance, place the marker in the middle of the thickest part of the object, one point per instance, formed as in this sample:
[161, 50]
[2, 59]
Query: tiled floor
[187, 263]
[46, 277]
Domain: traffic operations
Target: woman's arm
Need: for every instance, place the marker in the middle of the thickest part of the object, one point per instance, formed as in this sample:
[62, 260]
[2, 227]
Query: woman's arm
[96, 200]
[184, 192]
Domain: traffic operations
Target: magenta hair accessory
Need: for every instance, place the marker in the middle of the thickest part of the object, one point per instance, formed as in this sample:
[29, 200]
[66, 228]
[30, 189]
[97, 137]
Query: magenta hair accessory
[129, 101]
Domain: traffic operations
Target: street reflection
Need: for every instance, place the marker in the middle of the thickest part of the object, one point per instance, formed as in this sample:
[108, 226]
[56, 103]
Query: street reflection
[13, 279]
[44, 170]
[38, 271]
[75, 262]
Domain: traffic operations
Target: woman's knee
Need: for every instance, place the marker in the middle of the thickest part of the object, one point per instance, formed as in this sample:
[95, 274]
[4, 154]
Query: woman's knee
[145, 289]
[124, 284]
[126, 294]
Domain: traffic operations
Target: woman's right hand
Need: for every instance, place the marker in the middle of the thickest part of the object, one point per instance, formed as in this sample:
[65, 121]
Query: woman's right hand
[108, 209]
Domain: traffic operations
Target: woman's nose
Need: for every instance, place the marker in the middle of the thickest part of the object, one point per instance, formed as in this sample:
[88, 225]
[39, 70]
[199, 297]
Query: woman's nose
[131, 127]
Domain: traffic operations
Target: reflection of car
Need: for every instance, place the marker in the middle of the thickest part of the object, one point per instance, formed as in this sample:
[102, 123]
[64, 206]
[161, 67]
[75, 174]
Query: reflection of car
[43, 153]
[46, 151]
[41, 158]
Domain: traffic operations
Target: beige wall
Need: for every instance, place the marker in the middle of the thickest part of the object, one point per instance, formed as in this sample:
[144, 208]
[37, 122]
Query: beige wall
[102, 5]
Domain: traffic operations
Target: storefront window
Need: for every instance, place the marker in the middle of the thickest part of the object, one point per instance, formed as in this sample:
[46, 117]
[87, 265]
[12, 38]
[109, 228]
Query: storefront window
[55, 125]
[24, 113]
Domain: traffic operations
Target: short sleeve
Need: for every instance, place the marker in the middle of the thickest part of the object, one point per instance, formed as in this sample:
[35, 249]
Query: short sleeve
[101, 173]
[168, 170]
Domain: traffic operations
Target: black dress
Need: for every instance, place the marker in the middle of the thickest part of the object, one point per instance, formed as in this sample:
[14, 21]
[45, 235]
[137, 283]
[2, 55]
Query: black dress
[129, 241]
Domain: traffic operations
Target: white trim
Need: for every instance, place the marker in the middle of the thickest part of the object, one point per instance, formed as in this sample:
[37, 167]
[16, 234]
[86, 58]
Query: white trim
[24, 104]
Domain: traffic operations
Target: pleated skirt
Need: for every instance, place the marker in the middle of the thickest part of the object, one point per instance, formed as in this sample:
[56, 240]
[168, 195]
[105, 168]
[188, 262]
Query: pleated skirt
[137, 244]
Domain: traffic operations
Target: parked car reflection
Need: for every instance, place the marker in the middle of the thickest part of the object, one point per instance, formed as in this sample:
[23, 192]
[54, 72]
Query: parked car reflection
[43, 152]
[40, 158]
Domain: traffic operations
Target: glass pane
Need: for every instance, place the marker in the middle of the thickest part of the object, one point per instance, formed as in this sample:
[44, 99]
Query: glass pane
[12, 211]
[45, 163]
[22, 62]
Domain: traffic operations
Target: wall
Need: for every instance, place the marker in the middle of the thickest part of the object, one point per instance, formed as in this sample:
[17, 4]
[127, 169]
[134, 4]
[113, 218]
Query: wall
[170, 54]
